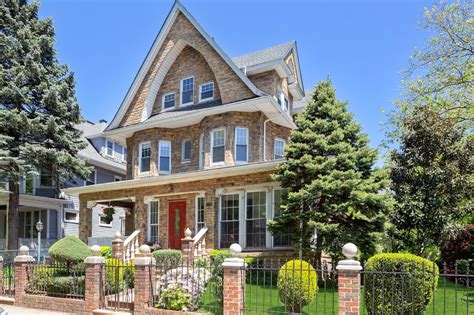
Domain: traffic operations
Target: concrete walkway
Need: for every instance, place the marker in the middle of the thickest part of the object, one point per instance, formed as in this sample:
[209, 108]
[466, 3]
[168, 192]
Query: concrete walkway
[16, 310]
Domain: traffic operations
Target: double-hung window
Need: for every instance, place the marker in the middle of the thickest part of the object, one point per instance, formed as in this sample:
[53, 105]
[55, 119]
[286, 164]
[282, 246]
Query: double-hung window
[164, 157]
[109, 148]
[279, 147]
[187, 91]
[229, 214]
[200, 201]
[168, 101]
[241, 145]
[256, 222]
[206, 92]
[280, 239]
[201, 151]
[154, 222]
[186, 151]
[46, 178]
[218, 145]
[144, 157]
[91, 179]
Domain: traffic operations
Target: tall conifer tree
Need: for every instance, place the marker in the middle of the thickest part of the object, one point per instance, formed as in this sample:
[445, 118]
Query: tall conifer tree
[38, 108]
[329, 174]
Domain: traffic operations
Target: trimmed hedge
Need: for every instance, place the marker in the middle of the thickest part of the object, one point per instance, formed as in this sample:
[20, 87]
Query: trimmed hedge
[70, 249]
[399, 283]
[167, 259]
[297, 285]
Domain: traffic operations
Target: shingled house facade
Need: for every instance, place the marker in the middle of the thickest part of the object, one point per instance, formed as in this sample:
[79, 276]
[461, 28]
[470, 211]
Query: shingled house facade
[204, 133]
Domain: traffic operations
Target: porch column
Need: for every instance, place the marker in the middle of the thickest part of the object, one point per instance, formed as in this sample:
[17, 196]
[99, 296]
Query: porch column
[85, 223]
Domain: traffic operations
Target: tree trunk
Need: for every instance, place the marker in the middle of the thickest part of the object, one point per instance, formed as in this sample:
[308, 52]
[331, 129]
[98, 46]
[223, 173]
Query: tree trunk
[12, 218]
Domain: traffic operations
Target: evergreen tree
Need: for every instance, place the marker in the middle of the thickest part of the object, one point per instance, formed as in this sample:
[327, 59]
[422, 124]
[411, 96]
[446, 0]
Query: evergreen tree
[329, 173]
[38, 109]
[432, 179]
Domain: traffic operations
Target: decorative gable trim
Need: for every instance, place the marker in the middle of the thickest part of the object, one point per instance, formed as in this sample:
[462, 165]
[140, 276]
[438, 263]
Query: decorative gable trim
[138, 80]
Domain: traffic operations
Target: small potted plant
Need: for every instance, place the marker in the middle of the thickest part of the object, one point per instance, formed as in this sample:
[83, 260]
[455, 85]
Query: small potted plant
[108, 214]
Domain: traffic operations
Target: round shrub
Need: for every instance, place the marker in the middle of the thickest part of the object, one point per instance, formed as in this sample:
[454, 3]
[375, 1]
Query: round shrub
[70, 250]
[106, 252]
[297, 285]
[399, 283]
[168, 258]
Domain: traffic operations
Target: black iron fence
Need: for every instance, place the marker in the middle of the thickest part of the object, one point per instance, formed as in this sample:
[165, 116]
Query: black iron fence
[7, 287]
[193, 286]
[56, 279]
[281, 286]
[117, 285]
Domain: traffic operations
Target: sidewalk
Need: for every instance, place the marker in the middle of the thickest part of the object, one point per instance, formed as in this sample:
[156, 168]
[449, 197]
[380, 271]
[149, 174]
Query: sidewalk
[16, 310]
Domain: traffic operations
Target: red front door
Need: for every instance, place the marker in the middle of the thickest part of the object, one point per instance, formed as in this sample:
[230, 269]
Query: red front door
[177, 219]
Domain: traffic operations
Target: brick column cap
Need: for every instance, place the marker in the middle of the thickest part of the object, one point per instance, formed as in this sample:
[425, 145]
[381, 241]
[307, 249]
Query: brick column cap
[24, 258]
[234, 262]
[349, 264]
[94, 260]
[144, 261]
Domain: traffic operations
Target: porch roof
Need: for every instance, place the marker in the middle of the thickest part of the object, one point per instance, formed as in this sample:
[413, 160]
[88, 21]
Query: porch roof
[177, 178]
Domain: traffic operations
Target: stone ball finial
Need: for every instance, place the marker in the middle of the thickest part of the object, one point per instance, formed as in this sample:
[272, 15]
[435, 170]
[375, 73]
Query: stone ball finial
[118, 236]
[24, 250]
[95, 250]
[144, 249]
[187, 233]
[235, 249]
[349, 250]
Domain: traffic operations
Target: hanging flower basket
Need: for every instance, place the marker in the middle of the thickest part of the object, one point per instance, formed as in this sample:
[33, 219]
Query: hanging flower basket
[108, 214]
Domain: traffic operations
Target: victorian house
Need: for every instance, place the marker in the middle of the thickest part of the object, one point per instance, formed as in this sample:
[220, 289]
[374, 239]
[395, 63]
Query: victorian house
[204, 133]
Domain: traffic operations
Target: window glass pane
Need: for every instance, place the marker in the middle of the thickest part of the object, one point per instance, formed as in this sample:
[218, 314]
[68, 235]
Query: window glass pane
[218, 154]
[229, 220]
[218, 143]
[154, 221]
[44, 219]
[29, 183]
[21, 232]
[207, 91]
[280, 239]
[218, 137]
[145, 157]
[28, 224]
[165, 156]
[168, 101]
[279, 149]
[241, 154]
[164, 164]
[200, 214]
[241, 136]
[186, 150]
[187, 90]
[91, 179]
[110, 148]
[46, 178]
[256, 219]
[71, 216]
[201, 151]
[36, 217]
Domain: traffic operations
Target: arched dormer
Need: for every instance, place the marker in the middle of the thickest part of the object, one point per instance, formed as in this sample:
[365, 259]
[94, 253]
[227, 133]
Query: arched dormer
[182, 61]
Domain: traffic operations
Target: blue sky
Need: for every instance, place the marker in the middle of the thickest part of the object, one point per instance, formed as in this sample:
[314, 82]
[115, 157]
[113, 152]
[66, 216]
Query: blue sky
[362, 45]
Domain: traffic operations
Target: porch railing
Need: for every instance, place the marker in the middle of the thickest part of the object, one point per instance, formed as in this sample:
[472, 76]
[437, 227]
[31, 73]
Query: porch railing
[199, 243]
[130, 246]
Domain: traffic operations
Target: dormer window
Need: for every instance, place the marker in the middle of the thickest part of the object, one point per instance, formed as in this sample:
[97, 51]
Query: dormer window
[109, 148]
[283, 101]
[168, 101]
[206, 92]
[187, 91]
[279, 147]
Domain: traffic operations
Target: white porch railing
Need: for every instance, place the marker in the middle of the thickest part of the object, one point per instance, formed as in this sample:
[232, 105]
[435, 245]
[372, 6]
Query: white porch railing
[199, 243]
[131, 246]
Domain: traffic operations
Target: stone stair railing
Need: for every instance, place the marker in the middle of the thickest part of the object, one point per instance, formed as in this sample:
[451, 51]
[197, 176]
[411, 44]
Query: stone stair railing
[125, 250]
[199, 243]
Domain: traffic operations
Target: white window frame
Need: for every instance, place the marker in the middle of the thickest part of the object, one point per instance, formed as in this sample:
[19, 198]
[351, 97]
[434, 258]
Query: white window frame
[200, 91]
[274, 147]
[181, 92]
[241, 218]
[140, 145]
[163, 109]
[247, 146]
[183, 160]
[95, 178]
[148, 232]
[202, 154]
[267, 213]
[70, 210]
[212, 146]
[159, 155]
[124, 157]
[107, 148]
[196, 213]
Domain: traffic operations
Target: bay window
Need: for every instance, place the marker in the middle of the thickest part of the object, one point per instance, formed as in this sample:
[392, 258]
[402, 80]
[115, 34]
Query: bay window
[218, 145]
[256, 223]
[164, 157]
[229, 215]
[279, 147]
[241, 145]
[144, 157]
[186, 151]
[280, 239]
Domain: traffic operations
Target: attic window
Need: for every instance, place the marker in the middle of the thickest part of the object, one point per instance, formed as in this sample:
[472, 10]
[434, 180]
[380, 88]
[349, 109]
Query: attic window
[187, 91]
[206, 91]
[168, 101]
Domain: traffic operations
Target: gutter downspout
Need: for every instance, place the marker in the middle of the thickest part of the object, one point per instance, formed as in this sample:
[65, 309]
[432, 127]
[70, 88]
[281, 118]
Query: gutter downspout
[265, 139]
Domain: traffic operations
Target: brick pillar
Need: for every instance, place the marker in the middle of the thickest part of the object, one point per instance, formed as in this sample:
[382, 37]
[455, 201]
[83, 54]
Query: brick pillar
[348, 275]
[95, 276]
[2, 289]
[234, 282]
[21, 277]
[144, 281]
[117, 246]
[187, 247]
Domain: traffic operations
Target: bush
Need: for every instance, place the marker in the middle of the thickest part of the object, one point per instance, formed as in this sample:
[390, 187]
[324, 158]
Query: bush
[297, 285]
[167, 259]
[118, 275]
[70, 250]
[106, 252]
[57, 280]
[408, 283]
[68, 285]
[174, 299]
[459, 247]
